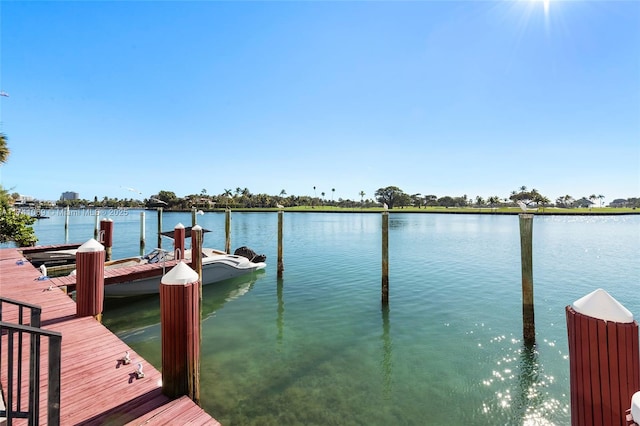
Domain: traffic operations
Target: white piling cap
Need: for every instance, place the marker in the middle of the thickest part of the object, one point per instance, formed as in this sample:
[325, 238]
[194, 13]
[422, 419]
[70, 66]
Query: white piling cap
[599, 304]
[197, 228]
[179, 226]
[90, 246]
[635, 407]
[180, 274]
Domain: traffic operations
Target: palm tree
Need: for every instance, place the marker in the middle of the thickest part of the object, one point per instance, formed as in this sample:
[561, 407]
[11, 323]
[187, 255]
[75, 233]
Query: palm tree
[523, 188]
[601, 197]
[4, 149]
[493, 200]
[362, 194]
[283, 193]
[333, 191]
[542, 200]
[227, 195]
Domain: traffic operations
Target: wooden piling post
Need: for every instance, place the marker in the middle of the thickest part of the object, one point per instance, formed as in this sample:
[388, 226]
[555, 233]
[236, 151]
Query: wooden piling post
[90, 279]
[526, 256]
[604, 366]
[227, 231]
[180, 332]
[66, 219]
[280, 258]
[194, 221]
[96, 227]
[196, 250]
[106, 236]
[196, 265]
[178, 241]
[385, 257]
[159, 227]
[142, 233]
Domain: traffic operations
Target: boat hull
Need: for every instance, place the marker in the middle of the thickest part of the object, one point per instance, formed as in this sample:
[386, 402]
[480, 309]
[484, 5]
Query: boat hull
[214, 269]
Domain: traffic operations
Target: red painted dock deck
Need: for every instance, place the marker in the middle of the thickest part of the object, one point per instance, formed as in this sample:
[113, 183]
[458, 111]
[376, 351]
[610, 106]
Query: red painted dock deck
[96, 388]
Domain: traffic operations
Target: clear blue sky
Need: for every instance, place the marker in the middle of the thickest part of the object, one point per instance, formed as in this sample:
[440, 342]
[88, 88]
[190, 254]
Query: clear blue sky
[435, 97]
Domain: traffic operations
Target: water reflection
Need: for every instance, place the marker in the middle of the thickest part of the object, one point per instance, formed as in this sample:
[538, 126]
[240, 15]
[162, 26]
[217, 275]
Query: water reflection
[122, 315]
[280, 309]
[521, 387]
[387, 362]
[533, 405]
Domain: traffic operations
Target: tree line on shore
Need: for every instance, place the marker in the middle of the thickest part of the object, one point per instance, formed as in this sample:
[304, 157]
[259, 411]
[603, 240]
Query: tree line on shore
[15, 225]
[391, 196]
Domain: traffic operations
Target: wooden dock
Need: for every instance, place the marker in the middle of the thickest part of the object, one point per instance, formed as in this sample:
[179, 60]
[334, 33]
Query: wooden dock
[96, 387]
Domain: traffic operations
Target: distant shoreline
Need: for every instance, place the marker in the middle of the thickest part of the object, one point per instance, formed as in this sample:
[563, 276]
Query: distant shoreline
[552, 211]
[418, 211]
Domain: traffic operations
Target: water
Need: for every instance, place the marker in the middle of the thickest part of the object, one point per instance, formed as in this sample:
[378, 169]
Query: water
[317, 347]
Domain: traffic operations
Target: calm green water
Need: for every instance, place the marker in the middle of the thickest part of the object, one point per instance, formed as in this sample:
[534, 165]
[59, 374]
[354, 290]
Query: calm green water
[317, 348]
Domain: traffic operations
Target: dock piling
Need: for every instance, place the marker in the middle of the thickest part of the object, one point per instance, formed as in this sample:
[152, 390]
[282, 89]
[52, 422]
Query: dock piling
[159, 227]
[66, 219]
[106, 234]
[96, 227]
[142, 232]
[90, 279]
[180, 332]
[196, 250]
[604, 366]
[196, 265]
[385, 257]
[280, 259]
[526, 256]
[227, 230]
[178, 241]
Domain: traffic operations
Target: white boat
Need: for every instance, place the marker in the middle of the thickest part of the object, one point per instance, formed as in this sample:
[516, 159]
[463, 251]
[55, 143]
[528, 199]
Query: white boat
[216, 266]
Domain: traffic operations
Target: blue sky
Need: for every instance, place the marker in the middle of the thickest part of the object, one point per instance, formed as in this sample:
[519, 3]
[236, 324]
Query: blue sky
[435, 97]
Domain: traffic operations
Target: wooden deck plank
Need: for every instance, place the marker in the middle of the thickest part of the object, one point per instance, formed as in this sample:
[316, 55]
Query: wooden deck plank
[95, 387]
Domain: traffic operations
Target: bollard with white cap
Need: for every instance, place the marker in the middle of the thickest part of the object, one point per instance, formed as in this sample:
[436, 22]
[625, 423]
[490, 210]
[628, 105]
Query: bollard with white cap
[106, 236]
[90, 279]
[180, 332]
[604, 360]
[178, 241]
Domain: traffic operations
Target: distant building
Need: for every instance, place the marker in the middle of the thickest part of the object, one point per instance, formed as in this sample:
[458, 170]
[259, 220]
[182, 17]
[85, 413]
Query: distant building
[24, 201]
[583, 202]
[619, 202]
[70, 195]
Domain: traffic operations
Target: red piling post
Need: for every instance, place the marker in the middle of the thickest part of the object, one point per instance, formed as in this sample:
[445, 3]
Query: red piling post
[178, 241]
[604, 359]
[106, 236]
[90, 279]
[180, 332]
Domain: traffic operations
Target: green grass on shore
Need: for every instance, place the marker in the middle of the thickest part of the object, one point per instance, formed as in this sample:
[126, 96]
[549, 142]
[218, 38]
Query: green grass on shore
[455, 210]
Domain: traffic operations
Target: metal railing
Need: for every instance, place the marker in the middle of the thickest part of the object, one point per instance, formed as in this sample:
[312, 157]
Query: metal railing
[13, 367]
